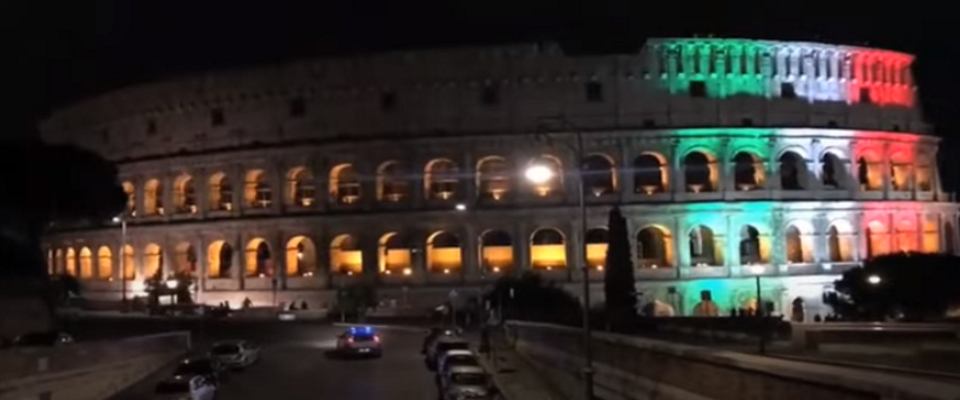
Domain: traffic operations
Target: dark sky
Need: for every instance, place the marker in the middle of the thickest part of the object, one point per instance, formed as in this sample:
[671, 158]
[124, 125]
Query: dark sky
[62, 50]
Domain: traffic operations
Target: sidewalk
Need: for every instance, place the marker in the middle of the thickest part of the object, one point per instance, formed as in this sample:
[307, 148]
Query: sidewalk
[514, 376]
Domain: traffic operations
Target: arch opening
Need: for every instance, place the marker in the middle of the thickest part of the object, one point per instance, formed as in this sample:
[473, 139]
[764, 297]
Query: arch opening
[870, 172]
[553, 184]
[444, 253]
[71, 263]
[441, 178]
[86, 263]
[901, 172]
[704, 247]
[104, 263]
[260, 262]
[700, 172]
[878, 239]
[153, 261]
[548, 250]
[650, 174]
[219, 260]
[950, 237]
[184, 194]
[493, 178]
[345, 255]
[345, 184]
[751, 252]
[153, 198]
[301, 191]
[831, 172]
[301, 257]
[796, 254]
[129, 263]
[655, 247]
[497, 250]
[597, 240]
[392, 186]
[599, 175]
[221, 192]
[131, 192]
[792, 171]
[396, 256]
[186, 259]
[257, 190]
[748, 171]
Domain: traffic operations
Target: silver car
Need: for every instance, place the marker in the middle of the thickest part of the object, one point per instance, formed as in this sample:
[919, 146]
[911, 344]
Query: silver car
[235, 353]
[466, 382]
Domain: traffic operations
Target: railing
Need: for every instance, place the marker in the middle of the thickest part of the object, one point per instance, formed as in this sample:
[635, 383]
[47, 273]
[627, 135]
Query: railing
[18, 363]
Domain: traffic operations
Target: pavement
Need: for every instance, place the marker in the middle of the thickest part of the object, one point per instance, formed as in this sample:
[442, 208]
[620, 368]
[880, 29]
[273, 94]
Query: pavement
[296, 362]
[514, 376]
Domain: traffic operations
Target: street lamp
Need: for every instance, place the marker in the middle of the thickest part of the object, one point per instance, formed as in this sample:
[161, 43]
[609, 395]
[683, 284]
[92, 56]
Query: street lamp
[172, 284]
[539, 174]
[874, 279]
[757, 270]
[123, 256]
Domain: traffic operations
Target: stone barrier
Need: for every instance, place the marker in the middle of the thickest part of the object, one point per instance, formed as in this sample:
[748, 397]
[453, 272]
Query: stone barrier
[86, 371]
[630, 368]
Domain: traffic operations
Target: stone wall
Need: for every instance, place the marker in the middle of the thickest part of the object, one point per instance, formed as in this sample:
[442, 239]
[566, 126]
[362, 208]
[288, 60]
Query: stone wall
[640, 369]
[86, 371]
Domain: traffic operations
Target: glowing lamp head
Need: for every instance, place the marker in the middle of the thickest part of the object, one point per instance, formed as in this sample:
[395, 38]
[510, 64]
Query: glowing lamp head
[407, 271]
[172, 284]
[116, 220]
[757, 269]
[874, 279]
[538, 174]
[461, 207]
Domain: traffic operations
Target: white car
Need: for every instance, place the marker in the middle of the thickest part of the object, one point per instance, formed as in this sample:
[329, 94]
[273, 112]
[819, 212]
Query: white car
[456, 357]
[443, 345]
[186, 388]
[466, 382]
[235, 353]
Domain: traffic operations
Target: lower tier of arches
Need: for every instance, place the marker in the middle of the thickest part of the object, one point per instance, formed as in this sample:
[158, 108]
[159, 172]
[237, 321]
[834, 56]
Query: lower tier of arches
[672, 242]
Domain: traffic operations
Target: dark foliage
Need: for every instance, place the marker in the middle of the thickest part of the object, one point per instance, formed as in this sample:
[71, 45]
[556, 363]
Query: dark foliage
[914, 285]
[67, 286]
[618, 283]
[531, 298]
[351, 299]
[49, 183]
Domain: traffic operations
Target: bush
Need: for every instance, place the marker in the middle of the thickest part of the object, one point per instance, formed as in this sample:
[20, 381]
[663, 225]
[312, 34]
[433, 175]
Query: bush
[531, 298]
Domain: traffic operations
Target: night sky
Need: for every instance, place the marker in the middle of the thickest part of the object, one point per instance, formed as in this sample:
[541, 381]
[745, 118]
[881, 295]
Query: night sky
[65, 50]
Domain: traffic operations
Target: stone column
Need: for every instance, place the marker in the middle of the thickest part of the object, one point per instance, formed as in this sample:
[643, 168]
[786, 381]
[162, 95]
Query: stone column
[521, 249]
[235, 176]
[469, 253]
[279, 259]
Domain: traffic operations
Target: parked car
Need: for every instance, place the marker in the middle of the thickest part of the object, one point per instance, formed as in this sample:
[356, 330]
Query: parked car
[441, 346]
[465, 382]
[435, 333]
[235, 353]
[186, 388]
[206, 367]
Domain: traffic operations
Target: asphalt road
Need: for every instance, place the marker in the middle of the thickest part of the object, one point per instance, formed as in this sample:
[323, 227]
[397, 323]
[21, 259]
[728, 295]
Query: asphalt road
[295, 361]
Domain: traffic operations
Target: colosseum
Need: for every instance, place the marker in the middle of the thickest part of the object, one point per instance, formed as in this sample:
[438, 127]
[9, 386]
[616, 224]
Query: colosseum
[730, 158]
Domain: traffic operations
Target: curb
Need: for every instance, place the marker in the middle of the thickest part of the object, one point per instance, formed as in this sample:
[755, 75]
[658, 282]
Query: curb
[400, 328]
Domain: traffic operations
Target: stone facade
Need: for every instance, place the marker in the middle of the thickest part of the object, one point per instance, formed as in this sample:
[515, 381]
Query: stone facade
[729, 158]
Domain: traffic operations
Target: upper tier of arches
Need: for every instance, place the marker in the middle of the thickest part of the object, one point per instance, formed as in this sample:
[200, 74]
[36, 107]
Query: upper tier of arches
[672, 83]
[684, 166]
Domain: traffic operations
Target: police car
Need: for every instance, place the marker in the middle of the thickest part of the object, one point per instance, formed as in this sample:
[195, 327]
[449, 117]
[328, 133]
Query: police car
[359, 341]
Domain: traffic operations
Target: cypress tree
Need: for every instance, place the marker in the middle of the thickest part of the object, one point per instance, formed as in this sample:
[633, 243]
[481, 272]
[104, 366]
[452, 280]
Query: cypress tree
[619, 290]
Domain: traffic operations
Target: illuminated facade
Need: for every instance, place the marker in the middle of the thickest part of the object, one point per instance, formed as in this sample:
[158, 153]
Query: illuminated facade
[730, 158]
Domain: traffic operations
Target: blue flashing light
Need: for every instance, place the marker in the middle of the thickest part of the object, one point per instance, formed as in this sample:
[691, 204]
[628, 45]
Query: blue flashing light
[361, 330]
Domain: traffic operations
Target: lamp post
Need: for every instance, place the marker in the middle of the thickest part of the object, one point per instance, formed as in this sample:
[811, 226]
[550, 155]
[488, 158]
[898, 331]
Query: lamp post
[123, 256]
[542, 174]
[481, 304]
[762, 343]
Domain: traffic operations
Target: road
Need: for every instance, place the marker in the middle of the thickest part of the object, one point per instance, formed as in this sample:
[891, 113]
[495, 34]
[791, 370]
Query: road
[296, 361]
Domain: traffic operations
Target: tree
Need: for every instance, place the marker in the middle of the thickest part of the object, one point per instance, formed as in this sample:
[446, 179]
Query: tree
[915, 285]
[618, 281]
[531, 298]
[47, 184]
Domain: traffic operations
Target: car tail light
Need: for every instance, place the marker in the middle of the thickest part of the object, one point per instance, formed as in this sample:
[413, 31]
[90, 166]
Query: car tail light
[349, 340]
[376, 339]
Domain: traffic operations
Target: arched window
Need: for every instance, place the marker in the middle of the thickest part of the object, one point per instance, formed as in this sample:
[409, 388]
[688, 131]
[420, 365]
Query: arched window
[497, 250]
[548, 250]
[493, 178]
[344, 184]
[441, 180]
[649, 174]
[831, 175]
[184, 194]
[301, 257]
[698, 171]
[301, 191]
[748, 171]
[794, 245]
[391, 184]
[653, 247]
[749, 246]
[702, 247]
[258, 193]
[221, 192]
[792, 171]
[395, 255]
[599, 175]
[444, 253]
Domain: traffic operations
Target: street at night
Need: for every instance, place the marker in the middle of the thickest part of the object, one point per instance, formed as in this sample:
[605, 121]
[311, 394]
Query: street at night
[295, 361]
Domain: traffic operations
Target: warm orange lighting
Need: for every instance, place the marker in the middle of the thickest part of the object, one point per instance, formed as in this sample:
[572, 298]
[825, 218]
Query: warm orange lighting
[496, 269]
[407, 271]
[446, 271]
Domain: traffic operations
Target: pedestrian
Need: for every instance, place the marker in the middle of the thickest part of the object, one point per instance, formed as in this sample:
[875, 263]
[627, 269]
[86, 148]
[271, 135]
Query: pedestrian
[303, 305]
